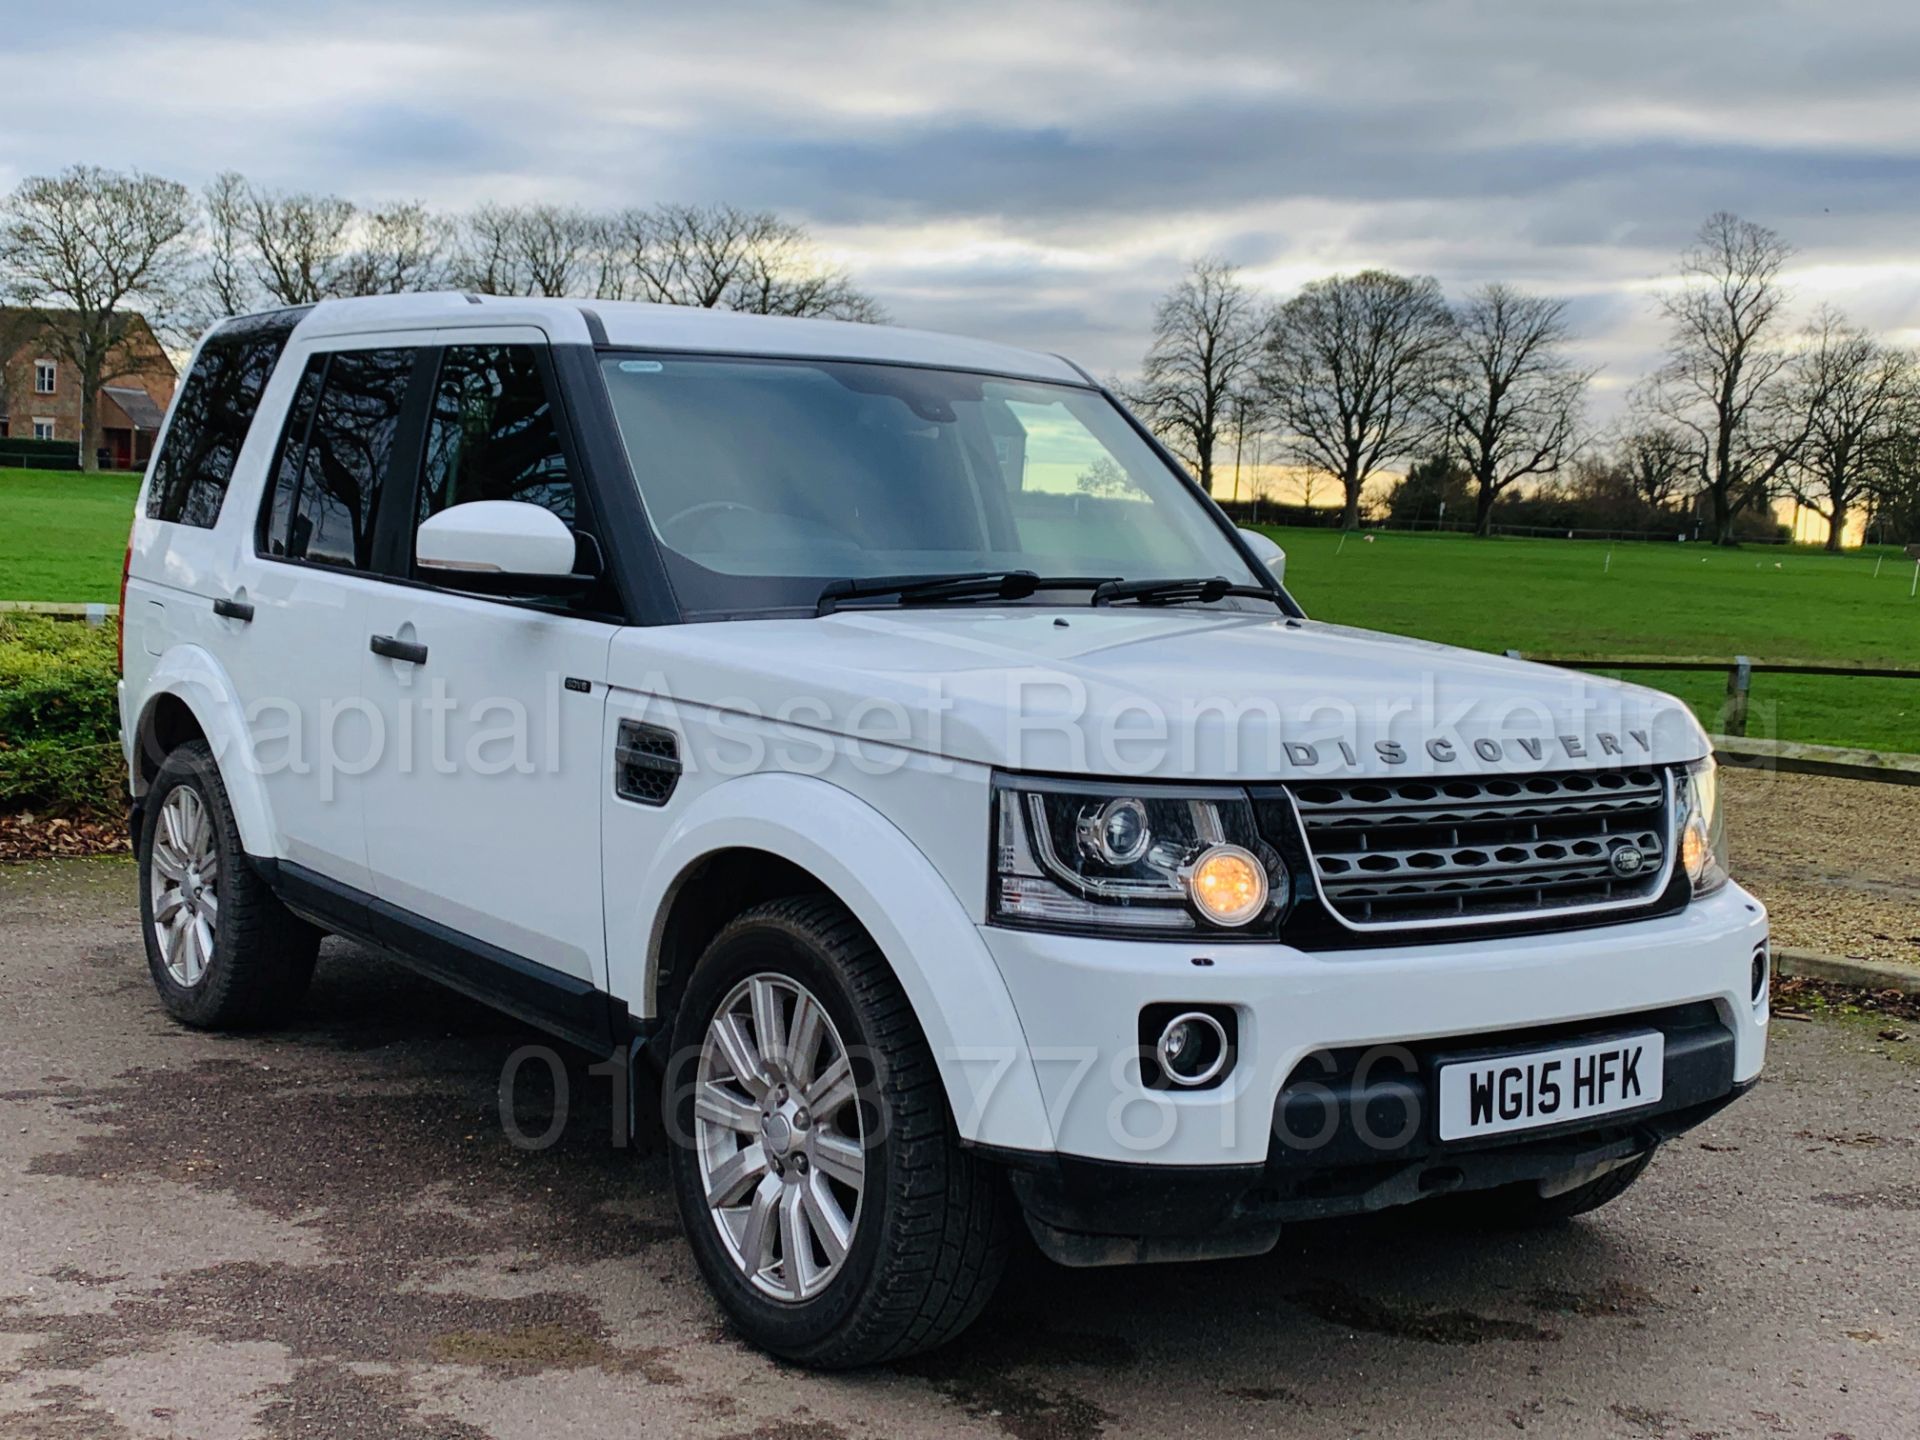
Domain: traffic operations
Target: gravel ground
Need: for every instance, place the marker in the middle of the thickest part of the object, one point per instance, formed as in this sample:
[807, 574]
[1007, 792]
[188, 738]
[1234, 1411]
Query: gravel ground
[324, 1232]
[1836, 861]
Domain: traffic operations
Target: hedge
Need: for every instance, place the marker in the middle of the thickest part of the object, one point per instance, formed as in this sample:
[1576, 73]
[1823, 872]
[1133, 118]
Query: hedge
[59, 723]
[40, 454]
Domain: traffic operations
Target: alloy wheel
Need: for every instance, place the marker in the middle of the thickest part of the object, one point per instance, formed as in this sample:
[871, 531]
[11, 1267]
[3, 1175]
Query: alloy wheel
[184, 873]
[780, 1137]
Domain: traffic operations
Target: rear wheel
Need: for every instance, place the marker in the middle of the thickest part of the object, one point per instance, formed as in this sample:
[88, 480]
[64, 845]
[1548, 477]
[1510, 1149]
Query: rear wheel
[222, 950]
[824, 1190]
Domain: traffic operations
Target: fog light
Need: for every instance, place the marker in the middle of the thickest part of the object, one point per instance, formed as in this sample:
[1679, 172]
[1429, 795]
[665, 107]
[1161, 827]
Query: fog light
[1192, 1049]
[1760, 968]
[1228, 885]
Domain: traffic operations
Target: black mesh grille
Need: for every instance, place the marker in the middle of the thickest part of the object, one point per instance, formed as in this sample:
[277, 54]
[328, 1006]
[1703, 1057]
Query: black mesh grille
[646, 763]
[1394, 852]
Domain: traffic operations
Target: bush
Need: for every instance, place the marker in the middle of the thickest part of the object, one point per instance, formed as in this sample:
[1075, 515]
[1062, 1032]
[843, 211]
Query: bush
[40, 454]
[59, 721]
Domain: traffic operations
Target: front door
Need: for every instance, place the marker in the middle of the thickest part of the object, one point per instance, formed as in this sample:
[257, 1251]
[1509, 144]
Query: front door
[483, 814]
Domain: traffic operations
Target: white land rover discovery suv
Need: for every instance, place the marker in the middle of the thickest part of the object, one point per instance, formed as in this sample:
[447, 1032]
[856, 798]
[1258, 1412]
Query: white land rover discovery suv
[877, 738]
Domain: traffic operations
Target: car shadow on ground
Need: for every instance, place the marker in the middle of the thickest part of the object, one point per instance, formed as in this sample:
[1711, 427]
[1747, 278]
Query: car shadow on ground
[1402, 1275]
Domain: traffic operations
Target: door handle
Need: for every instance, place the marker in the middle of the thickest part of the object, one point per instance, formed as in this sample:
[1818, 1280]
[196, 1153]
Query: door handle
[233, 610]
[398, 649]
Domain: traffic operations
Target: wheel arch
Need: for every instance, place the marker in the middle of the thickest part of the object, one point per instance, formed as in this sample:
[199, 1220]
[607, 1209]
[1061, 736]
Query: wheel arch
[189, 697]
[762, 836]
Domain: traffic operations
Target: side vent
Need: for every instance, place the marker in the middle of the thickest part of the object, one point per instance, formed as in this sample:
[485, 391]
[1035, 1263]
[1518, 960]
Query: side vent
[646, 763]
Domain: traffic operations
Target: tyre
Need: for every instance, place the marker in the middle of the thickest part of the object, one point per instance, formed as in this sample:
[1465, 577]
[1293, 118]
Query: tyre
[1522, 1207]
[223, 951]
[823, 1187]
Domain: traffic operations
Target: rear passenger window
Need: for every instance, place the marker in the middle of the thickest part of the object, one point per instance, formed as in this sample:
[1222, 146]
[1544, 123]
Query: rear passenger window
[334, 455]
[492, 434]
[210, 422]
[277, 514]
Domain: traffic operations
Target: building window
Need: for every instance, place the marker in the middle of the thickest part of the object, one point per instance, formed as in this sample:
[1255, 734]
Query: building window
[45, 376]
[42, 429]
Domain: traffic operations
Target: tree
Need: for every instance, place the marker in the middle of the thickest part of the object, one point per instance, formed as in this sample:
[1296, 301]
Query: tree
[1893, 492]
[225, 284]
[537, 250]
[1351, 368]
[1725, 370]
[88, 251]
[300, 244]
[1856, 395]
[1511, 399]
[397, 249]
[1207, 336]
[720, 257]
[1658, 461]
[1429, 489]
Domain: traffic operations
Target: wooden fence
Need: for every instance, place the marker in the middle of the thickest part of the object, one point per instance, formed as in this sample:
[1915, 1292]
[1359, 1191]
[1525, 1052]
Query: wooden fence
[1731, 742]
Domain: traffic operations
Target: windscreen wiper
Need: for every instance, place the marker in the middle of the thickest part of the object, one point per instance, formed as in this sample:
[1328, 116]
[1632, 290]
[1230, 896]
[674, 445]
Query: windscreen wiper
[972, 585]
[1161, 592]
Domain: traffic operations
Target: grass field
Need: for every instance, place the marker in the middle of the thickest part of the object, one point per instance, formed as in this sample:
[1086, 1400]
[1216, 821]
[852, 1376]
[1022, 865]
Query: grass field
[1566, 598]
[62, 534]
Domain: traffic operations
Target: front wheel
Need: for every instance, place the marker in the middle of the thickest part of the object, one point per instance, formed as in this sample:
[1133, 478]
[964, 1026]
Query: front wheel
[823, 1188]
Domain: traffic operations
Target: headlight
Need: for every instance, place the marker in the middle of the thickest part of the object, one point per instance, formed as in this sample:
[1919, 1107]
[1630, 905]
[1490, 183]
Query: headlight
[1703, 828]
[1084, 856]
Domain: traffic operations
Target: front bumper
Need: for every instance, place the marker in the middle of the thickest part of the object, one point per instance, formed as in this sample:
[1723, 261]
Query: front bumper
[1097, 1212]
[1079, 1000]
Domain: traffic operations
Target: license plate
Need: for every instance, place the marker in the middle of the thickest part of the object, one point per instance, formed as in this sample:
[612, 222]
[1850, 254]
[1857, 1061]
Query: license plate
[1550, 1087]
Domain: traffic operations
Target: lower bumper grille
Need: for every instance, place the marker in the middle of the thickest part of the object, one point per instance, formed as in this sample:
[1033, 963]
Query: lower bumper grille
[1392, 853]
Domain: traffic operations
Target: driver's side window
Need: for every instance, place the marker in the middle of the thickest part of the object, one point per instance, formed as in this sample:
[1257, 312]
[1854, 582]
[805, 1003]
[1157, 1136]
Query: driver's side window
[491, 435]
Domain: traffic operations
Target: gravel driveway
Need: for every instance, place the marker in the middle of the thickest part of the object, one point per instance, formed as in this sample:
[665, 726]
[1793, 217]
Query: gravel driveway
[325, 1233]
[1837, 861]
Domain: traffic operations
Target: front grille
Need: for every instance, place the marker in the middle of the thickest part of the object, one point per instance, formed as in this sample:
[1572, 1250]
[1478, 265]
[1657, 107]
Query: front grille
[1401, 852]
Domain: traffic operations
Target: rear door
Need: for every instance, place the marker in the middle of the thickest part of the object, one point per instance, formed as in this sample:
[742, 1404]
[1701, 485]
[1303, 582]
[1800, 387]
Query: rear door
[299, 660]
[483, 815]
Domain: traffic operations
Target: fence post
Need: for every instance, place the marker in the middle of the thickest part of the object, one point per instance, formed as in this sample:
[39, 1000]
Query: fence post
[1739, 683]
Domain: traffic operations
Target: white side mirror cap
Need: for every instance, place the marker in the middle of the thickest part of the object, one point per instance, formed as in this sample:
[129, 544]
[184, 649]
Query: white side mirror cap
[1269, 552]
[494, 537]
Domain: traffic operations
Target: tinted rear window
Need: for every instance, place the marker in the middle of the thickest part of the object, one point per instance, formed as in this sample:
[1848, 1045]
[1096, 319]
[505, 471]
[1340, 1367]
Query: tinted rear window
[210, 423]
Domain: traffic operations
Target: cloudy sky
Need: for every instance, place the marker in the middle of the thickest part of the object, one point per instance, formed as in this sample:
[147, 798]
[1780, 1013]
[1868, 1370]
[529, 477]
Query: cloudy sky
[1038, 172]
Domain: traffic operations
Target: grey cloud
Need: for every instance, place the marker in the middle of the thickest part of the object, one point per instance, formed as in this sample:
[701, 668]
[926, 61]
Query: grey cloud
[1571, 146]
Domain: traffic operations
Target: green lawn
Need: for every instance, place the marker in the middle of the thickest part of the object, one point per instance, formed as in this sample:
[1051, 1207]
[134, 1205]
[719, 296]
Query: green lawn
[62, 534]
[1566, 598]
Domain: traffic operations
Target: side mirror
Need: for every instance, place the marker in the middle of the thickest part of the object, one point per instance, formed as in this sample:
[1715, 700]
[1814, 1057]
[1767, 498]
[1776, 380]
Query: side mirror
[498, 547]
[1268, 552]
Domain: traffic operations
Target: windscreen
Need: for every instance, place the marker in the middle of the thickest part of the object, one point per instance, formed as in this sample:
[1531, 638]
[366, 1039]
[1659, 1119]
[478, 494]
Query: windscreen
[765, 480]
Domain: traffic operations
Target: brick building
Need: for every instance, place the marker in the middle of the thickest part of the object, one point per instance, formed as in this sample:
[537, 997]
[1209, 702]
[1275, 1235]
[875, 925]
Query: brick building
[40, 388]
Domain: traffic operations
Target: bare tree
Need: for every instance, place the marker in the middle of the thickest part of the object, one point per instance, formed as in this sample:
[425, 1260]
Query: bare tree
[537, 250]
[301, 244]
[1726, 369]
[1857, 395]
[1512, 398]
[397, 248]
[88, 250]
[225, 282]
[1659, 462]
[1207, 333]
[720, 257]
[1351, 368]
